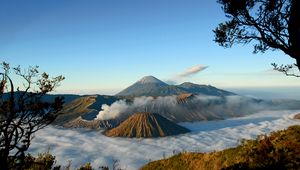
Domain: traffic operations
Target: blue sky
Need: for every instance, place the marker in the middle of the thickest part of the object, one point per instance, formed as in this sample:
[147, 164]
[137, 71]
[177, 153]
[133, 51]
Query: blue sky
[103, 46]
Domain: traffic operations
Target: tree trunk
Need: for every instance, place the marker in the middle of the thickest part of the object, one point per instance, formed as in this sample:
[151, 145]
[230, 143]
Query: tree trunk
[3, 161]
[294, 31]
[298, 62]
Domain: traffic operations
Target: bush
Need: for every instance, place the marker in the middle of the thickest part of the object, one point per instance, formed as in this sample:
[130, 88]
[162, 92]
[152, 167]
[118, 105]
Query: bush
[87, 166]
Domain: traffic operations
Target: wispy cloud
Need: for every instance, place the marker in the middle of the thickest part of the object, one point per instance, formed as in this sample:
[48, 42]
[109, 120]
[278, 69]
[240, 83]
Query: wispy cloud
[191, 71]
[186, 73]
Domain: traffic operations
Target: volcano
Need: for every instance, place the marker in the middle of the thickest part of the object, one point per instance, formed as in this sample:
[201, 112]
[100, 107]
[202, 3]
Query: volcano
[151, 86]
[146, 125]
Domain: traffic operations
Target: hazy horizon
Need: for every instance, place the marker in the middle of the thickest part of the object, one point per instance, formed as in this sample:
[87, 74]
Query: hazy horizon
[285, 92]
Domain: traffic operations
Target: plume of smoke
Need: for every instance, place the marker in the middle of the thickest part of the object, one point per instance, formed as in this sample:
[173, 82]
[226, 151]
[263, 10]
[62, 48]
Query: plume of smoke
[121, 107]
[192, 70]
[196, 108]
[112, 111]
[186, 73]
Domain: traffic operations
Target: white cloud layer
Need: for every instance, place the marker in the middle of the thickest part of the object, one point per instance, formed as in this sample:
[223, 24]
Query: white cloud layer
[82, 146]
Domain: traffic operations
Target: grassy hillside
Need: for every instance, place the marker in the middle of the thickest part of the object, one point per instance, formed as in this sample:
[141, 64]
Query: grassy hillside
[85, 106]
[279, 150]
[75, 108]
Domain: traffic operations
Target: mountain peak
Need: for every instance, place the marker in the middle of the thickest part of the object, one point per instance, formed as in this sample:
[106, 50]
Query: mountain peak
[151, 86]
[150, 79]
[187, 83]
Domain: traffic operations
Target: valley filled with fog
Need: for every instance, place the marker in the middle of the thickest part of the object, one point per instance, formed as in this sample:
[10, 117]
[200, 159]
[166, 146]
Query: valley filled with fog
[122, 84]
[82, 146]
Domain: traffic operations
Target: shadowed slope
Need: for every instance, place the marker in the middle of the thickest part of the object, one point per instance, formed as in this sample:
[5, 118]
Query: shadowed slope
[151, 86]
[74, 109]
[79, 122]
[146, 125]
[203, 89]
[80, 113]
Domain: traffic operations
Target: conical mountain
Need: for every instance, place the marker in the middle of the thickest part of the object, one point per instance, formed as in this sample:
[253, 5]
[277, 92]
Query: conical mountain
[146, 125]
[151, 80]
[149, 86]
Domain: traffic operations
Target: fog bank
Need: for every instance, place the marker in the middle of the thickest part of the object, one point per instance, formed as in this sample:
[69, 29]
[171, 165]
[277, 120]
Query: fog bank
[82, 146]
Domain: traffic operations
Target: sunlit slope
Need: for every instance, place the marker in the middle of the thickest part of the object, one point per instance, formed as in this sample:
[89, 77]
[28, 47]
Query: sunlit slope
[86, 107]
[146, 125]
[280, 150]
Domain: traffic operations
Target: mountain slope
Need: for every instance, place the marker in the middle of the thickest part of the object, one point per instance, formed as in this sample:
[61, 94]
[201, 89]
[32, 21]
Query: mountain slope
[143, 87]
[146, 125]
[204, 89]
[151, 86]
[74, 109]
[280, 150]
[86, 107]
[79, 122]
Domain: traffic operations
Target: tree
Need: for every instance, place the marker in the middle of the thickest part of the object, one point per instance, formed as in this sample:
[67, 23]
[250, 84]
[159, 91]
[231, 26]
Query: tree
[273, 24]
[24, 111]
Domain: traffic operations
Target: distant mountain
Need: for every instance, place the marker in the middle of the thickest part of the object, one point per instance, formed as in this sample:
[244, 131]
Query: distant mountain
[82, 108]
[151, 86]
[147, 85]
[46, 97]
[146, 125]
[185, 107]
[204, 89]
[151, 80]
[79, 122]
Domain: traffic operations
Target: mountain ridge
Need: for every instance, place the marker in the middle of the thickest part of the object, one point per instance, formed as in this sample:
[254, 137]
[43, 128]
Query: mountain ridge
[151, 86]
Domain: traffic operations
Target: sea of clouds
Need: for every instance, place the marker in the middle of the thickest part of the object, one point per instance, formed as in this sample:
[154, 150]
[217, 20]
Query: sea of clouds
[82, 146]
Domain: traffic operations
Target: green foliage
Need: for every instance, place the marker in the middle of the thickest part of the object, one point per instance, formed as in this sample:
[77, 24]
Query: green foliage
[23, 111]
[261, 20]
[46, 161]
[279, 150]
[87, 166]
[268, 24]
[42, 161]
